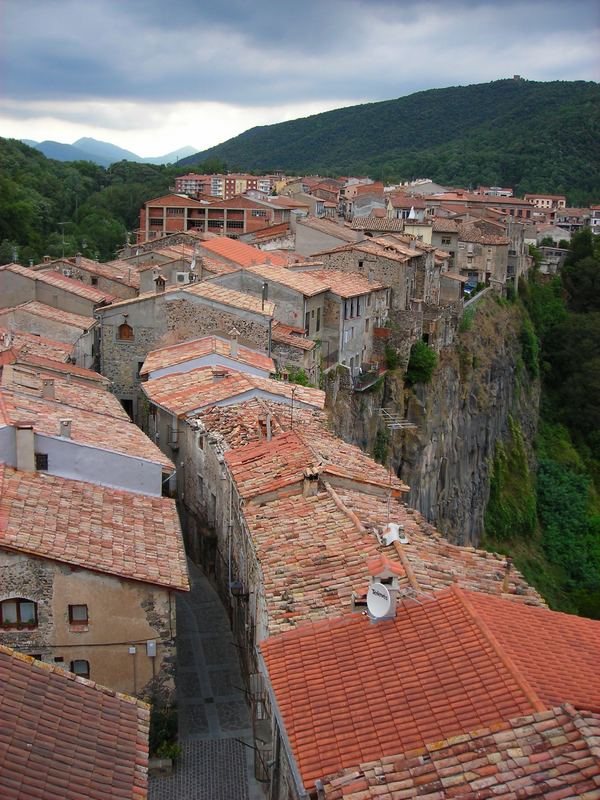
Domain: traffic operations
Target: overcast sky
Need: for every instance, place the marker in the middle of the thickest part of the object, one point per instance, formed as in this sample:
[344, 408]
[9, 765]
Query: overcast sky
[155, 75]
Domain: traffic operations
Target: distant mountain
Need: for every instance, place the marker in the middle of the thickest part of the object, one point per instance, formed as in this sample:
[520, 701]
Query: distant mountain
[171, 158]
[102, 153]
[66, 152]
[529, 135]
[105, 152]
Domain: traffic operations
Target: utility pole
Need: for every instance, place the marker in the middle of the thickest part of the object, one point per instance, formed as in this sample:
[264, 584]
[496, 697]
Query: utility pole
[62, 227]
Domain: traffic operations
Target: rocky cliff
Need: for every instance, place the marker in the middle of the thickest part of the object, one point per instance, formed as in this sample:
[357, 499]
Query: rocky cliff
[479, 384]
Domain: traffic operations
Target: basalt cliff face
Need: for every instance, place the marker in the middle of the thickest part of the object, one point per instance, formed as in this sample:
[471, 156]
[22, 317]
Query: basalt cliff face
[479, 384]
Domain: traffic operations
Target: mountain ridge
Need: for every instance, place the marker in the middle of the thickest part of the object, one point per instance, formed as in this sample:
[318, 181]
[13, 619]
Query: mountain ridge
[102, 153]
[534, 136]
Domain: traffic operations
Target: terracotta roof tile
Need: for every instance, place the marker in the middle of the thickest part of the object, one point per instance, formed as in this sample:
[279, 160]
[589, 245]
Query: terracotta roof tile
[61, 282]
[28, 380]
[368, 690]
[54, 314]
[48, 367]
[107, 530]
[239, 252]
[307, 283]
[286, 334]
[547, 754]
[558, 653]
[229, 297]
[343, 232]
[185, 392]
[346, 284]
[65, 736]
[379, 223]
[31, 345]
[180, 354]
[117, 271]
[443, 225]
[469, 232]
[103, 431]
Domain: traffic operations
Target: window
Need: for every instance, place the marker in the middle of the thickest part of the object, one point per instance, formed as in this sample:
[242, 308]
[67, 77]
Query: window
[41, 461]
[358, 306]
[94, 280]
[256, 213]
[366, 326]
[446, 240]
[125, 332]
[318, 326]
[78, 615]
[360, 263]
[18, 613]
[138, 369]
[307, 322]
[81, 668]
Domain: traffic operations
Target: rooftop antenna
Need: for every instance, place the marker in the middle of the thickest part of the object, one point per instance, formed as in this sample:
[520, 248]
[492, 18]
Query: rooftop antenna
[294, 389]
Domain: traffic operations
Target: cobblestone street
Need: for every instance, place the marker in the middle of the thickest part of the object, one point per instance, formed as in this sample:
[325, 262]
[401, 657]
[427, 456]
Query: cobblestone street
[214, 718]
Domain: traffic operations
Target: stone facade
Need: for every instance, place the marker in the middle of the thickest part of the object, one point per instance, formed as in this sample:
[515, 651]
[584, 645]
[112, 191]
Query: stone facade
[163, 319]
[122, 614]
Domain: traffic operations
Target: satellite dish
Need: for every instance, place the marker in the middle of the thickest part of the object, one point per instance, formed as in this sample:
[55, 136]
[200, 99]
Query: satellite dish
[379, 600]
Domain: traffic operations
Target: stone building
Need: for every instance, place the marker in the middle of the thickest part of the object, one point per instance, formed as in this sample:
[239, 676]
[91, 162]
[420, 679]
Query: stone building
[482, 256]
[291, 348]
[315, 234]
[130, 329]
[88, 577]
[261, 483]
[117, 278]
[445, 237]
[63, 427]
[20, 285]
[51, 323]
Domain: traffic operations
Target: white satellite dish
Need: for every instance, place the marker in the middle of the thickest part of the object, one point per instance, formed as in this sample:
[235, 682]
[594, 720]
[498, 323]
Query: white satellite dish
[379, 600]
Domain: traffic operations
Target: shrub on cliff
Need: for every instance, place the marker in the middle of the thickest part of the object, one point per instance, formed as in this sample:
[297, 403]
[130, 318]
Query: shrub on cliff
[530, 348]
[421, 364]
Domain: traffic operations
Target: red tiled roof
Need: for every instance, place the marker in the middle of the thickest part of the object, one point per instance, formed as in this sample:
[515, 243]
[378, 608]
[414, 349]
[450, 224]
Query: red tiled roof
[443, 225]
[121, 533]
[207, 290]
[350, 691]
[346, 284]
[239, 252]
[54, 314]
[47, 366]
[197, 348]
[558, 653]
[550, 754]
[103, 431]
[402, 200]
[66, 737]
[61, 282]
[377, 223]
[117, 270]
[469, 232]
[329, 227]
[29, 380]
[174, 200]
[307, 283]
[182, 393]
[31, 345]
[286, 334]
[230, 297]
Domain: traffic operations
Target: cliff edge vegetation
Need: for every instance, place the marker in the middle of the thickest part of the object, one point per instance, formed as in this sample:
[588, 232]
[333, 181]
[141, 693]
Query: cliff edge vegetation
[548, 518]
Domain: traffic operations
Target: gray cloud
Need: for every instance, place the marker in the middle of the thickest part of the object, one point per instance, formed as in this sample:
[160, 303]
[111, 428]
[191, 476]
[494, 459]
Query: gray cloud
[273, 52]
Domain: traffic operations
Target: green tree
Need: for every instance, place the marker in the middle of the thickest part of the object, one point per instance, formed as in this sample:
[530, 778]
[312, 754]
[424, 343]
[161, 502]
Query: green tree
[421, 364]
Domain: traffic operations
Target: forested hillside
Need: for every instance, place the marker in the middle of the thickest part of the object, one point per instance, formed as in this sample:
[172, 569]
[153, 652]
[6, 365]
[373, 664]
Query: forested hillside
[550, 521]
[535, 137]
[94, 207]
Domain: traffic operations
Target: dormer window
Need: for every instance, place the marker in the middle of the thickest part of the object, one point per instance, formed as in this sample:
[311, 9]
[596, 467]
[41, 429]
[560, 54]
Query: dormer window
[125, 332]
[18, 613]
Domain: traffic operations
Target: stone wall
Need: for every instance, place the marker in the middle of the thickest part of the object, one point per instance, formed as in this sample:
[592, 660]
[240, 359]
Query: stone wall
[189, 320]
[121, 614]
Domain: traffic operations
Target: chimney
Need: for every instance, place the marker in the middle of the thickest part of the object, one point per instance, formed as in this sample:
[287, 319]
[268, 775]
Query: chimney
[159, 284]
[48, 389]
[384, 586]
[65, 428]
[8, 339]
[507, 571]
[77, 259]
[310, 484]
[25, 447]
[47, 259]
[413, 244]
[233, 343]
[268, 421]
